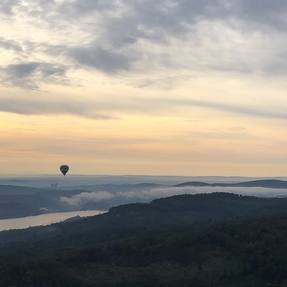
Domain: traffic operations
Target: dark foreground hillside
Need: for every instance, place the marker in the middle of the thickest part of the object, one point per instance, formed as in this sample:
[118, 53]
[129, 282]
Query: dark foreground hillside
[166, 243]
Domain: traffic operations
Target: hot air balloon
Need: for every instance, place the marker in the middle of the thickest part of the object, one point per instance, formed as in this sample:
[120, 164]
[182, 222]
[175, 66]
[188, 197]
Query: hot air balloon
[64, 169]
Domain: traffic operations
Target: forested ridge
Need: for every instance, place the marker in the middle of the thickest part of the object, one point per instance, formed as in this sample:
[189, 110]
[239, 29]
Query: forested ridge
[235, 251]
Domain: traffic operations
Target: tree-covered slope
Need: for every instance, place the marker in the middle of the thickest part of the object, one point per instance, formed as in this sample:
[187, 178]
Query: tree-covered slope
[156, 245]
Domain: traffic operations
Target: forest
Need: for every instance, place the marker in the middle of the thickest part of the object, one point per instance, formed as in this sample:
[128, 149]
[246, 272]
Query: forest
[135, 245]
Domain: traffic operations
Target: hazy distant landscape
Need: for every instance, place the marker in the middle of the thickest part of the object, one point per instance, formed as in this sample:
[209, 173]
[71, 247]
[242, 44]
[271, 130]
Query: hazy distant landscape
[21, 197]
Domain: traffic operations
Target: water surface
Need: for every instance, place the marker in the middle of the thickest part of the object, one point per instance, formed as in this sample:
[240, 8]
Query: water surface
[44, 219]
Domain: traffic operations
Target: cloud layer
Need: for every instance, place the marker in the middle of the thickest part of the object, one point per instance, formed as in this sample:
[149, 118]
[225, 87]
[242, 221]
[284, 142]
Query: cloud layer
[145, 43]
[109, 197]
[122, 36]
[87, 197]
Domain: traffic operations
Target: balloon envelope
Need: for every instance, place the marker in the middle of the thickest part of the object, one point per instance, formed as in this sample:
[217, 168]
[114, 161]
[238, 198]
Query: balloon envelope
[64, 169]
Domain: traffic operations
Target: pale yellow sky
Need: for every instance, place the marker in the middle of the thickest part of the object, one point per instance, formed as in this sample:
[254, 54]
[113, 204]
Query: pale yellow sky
[137, 87]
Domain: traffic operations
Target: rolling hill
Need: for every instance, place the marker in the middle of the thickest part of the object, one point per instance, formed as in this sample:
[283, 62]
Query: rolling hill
[265, 183]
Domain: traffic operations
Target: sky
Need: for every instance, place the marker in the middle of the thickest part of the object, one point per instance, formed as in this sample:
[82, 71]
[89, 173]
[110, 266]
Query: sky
[166, 87]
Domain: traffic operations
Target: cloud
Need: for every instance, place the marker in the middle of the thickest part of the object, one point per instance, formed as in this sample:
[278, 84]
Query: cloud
[121, 36]
[10, 45]
[252, 111]
[105, 110]
[222, 35]
[87, 197]
[44, 106]
[28, 75]
[6, 6]
[139, 39]
[146, 195]
[102, 59]
[261, 12]
[82, 8]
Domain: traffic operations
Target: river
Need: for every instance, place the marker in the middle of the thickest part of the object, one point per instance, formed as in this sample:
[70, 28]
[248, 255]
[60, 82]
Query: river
[43, 219]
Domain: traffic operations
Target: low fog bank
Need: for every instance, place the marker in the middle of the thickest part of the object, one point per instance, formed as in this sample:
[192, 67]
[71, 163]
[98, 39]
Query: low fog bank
[121, 197]
[86, 193]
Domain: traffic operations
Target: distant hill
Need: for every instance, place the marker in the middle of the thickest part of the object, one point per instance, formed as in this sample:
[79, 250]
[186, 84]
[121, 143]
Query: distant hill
[266, 183]
[21, 201]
